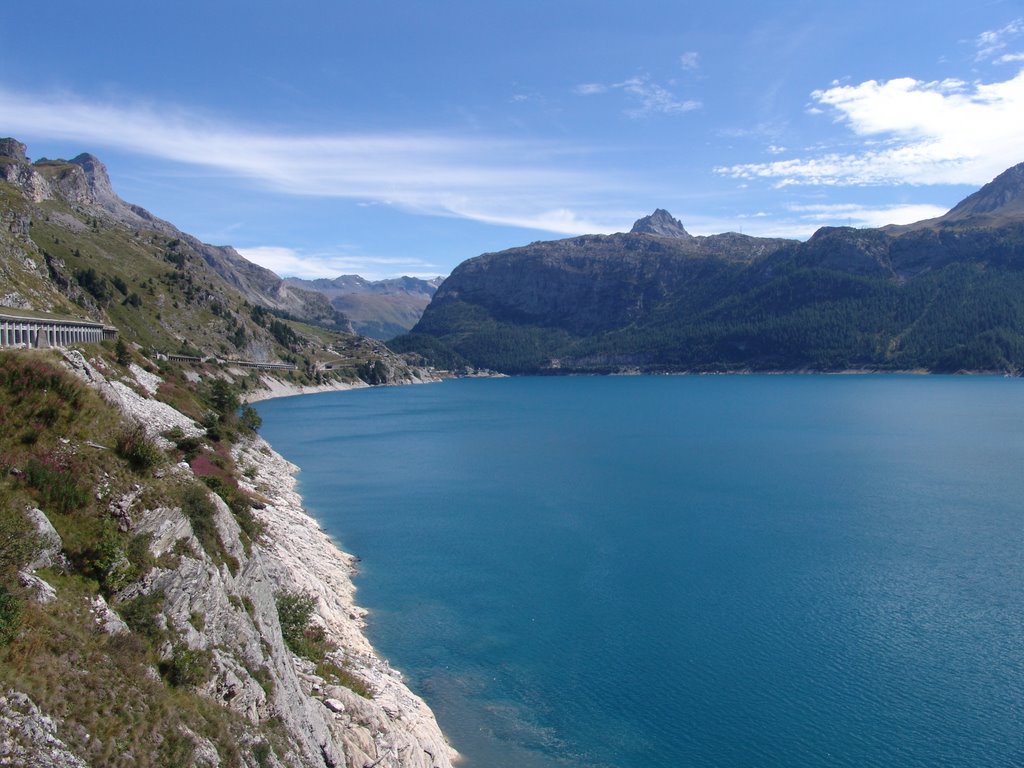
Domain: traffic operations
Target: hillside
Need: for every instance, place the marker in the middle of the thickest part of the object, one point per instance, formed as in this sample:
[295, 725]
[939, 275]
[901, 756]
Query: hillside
[942, 295]
[380, 309]
[69, 245]
[164, 598]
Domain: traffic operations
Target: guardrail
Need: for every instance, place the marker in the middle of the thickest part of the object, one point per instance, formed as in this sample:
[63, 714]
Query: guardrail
[40, 333]
[218, 361]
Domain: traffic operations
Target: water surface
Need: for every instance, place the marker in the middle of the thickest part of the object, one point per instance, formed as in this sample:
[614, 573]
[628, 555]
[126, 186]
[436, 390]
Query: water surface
[688, 571]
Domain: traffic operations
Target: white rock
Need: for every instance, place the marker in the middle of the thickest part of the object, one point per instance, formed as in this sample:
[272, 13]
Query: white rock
[41, 591]
[334, 705]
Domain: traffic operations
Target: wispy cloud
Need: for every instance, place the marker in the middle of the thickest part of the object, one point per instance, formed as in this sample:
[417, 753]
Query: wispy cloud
[914, 132]
[647, 97]
[856, 215]
[485, 179]
[801, 221]
[291, 262]
[989, 43]
[690, 61]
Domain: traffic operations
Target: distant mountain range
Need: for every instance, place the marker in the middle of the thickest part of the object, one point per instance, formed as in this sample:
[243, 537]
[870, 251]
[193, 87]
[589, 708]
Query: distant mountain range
[945, 294]
[380, 309]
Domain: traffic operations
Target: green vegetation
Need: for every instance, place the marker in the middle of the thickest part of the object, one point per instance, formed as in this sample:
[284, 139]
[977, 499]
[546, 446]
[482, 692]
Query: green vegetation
[187, 667]
[116, 712]
[137, 448]
[961, 316]
[305, 638]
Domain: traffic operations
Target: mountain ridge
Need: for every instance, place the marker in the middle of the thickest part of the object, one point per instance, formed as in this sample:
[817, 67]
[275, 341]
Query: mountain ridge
[380, 309]
[83, 182]
[943, 294]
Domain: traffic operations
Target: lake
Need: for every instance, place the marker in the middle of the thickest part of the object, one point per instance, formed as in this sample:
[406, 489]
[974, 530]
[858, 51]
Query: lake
[687, 571]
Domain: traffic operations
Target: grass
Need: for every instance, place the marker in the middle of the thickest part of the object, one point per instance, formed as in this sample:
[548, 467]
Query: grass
[114, 711]
[307, 639]
[116, 715]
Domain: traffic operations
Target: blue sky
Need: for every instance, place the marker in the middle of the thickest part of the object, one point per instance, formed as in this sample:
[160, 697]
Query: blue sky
[389, 138]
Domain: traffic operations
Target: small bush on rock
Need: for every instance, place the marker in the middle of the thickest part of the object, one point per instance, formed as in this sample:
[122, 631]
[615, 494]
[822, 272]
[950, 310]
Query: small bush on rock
[137, 448]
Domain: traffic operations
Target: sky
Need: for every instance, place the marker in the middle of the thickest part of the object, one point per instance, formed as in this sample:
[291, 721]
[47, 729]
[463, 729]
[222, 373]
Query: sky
[401, 138]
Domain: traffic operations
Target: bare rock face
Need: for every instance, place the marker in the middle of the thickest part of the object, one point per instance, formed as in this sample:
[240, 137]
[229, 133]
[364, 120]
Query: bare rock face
[13, 149]
[28, 737]
[662, 224]
[15, 170]
[97, 180]
[224, 605]
[50, 543]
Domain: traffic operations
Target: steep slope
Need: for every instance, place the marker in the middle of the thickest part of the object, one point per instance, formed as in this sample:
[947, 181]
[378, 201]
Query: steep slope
[945, 294]
[1001, 200]
[69, 244]
[164, 598]
[380, 309]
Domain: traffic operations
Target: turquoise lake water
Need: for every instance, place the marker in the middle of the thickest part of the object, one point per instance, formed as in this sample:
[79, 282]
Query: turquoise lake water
[687, 571]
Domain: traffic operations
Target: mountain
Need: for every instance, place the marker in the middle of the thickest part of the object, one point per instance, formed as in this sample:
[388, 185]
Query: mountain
[164, 598]
[380, 309]
[945, 294]
[50, 204]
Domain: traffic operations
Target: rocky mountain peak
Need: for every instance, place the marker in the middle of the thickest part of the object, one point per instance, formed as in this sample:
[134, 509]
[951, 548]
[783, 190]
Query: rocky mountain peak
[13, 149]
[660, 223]
[1004, 195]
[96, 177]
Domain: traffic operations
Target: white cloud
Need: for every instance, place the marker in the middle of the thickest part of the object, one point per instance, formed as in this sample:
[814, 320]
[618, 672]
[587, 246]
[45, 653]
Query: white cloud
[801, 221]
[290, 262]
[1010, 58]
[690, 61]
[649, 97]
[913, 132]
[993, 41]
[866, 216]
[654, 98]
[486, 179]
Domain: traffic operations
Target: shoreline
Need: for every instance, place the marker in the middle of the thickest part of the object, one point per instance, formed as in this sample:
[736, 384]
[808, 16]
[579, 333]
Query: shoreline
[303, 557]
[328, 724]
[271, 388]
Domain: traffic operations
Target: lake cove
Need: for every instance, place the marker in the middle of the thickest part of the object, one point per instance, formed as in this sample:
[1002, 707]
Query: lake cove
[677, 571]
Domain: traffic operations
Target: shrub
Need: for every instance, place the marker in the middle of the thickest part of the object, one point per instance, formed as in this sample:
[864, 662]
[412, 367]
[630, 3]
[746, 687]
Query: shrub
[140, 614]
[18, 540]
[340, 674]
[10, 615]
[187, 667]
[107, 562]
[199, 510]
[137, 448]
[174, 434]
[189, 447]
[250, 419]
[294, 610]
[223, 397]
[54, 480]
[121, 353]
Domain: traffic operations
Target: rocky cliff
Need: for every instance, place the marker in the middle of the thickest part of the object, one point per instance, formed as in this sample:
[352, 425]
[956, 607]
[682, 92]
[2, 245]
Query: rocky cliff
[205, 597]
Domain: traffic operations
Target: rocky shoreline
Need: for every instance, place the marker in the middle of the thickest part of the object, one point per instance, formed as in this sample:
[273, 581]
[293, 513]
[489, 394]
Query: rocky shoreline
[327, 723]
[301, 557]
[271, 388]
